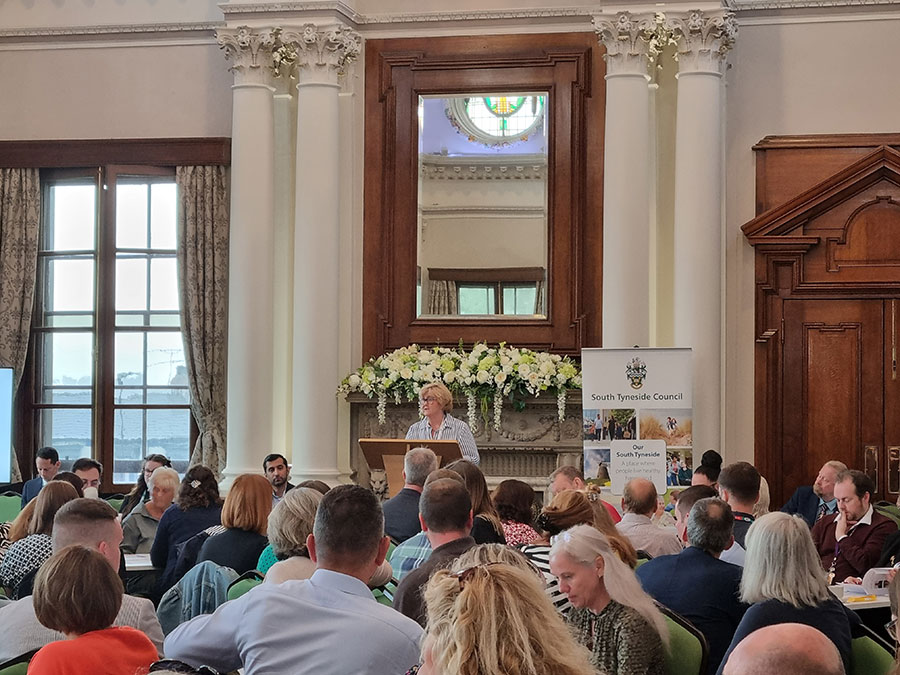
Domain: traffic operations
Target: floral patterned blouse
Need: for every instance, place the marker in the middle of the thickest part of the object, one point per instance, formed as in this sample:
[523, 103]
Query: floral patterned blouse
[518, 533]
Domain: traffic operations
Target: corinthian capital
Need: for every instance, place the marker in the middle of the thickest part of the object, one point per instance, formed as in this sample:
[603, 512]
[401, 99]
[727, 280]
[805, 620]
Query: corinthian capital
[250, 53]
[703, 40]
[323, 52]
[627, 42]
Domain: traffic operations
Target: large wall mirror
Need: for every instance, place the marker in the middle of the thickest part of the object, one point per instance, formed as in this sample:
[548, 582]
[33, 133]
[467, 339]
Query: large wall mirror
[483, 191]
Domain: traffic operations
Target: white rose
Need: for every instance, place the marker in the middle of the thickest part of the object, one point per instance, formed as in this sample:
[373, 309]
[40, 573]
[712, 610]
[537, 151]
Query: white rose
[354, 381]
[533, 378]
[524, 370]
[450, 377]
[500, 378]
[406, 373]
[483, 376]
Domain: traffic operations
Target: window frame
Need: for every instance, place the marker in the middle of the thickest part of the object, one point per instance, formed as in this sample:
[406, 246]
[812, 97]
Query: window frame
[82, 158]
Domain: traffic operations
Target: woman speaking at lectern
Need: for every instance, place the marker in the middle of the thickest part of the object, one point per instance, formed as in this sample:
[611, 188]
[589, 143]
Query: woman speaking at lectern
[436, 401]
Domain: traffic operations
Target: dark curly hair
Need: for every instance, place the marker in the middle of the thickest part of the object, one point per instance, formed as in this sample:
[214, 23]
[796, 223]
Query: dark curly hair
[514, 500]
[198, 489]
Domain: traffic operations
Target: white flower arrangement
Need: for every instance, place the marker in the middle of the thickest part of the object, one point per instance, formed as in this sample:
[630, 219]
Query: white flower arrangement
[486, 374]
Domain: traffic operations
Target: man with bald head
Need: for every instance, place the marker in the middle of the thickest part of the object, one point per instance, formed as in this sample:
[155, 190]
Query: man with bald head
[785, 648]
[639, 503]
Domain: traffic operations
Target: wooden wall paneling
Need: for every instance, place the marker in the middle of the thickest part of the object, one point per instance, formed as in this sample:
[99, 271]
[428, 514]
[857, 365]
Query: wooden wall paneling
[570, 68]
[96, 152]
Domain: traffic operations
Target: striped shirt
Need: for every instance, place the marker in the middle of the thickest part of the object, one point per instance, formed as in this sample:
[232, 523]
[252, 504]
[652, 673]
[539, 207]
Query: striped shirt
[451, 429]
[539, 555]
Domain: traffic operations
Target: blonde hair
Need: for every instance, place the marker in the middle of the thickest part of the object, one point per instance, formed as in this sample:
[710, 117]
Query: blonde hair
[761, 507]
[440, 392]
[291, 522]
[603, 521]
[248, 504]
[495, 553]
[584, 544]
[496, 619]
[782, 563]
[18, 529]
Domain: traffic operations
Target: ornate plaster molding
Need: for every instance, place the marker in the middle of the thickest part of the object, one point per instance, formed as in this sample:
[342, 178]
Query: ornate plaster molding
[489, 167]
[703, 39]
[627, 42]
[250, 52]
[323, 51]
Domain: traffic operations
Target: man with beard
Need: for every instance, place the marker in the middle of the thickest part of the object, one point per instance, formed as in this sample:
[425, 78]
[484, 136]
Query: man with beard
[277, 472]
[812, 502]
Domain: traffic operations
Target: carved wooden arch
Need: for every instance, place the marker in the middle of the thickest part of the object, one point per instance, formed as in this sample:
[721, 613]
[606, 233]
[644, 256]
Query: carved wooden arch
[829, 240]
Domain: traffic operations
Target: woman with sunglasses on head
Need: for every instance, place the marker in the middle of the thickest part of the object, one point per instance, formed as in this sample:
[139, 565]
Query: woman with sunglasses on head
[612, 615]
[436, 402]
[493, 618]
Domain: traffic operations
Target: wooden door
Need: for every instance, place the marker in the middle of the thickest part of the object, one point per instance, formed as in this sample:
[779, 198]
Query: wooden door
[834, 390]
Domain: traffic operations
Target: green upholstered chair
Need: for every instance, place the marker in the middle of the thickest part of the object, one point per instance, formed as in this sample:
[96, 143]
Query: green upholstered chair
[385, 594]
[10, 505]
[688, 652]
[869, 654]
[244, 583]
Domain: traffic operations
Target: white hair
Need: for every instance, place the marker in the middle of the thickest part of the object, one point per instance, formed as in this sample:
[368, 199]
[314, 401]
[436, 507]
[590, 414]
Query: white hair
[164, 476]
[584, 544]
[782, 563]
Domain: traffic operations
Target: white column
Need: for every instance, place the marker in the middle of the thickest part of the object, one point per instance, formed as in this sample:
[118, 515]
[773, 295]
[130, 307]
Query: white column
[703, 41]
[250, 313]
[626, 182]
[322, 52]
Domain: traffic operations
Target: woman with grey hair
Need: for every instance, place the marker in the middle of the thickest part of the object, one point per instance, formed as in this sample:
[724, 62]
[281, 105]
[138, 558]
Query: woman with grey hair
[290, 523]
[139, 526]
[612, 615]
[784, 582]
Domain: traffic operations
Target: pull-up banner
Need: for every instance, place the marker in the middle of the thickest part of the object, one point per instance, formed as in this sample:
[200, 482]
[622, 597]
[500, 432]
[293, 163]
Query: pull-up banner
[637, 409]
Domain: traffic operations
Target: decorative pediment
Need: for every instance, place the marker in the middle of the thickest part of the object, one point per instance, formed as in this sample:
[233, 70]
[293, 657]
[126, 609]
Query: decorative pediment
[783, 225]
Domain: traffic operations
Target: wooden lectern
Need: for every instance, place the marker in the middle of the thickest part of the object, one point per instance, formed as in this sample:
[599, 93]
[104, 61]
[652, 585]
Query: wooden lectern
[388, 453]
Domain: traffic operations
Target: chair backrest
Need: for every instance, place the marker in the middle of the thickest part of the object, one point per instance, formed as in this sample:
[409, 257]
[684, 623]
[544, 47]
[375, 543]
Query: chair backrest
[244, 583]
[17, 665]
[116, 502]
[867, 657]
[688, 652]
[200, 591]
[385, 594]
[10, 505]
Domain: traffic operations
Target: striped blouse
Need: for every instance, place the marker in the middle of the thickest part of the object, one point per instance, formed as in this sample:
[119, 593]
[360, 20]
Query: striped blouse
[451, 429]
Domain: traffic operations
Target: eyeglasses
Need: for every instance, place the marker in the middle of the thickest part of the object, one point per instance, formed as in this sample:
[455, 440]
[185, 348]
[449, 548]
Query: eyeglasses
[465, 574]
[429, 399]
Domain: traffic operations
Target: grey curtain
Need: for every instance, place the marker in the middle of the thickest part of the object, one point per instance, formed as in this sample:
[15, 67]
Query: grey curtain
[203, 281]
[539, 298]
[442, 297]
[20, 217]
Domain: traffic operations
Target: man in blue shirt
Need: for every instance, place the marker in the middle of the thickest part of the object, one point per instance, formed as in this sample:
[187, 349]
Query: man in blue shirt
[815, 501]
[327, 624]
[695, 583]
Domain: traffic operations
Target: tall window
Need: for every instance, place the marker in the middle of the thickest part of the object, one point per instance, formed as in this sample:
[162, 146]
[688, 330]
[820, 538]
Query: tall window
[110, 377]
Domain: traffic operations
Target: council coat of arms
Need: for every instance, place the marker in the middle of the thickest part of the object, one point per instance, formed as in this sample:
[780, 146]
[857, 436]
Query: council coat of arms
[636, 371]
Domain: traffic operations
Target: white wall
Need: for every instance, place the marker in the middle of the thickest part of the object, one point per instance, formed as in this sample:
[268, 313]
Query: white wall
[790, 78]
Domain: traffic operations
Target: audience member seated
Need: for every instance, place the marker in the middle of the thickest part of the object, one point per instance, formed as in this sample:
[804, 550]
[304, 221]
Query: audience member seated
[28, 554]
[514, 501]
[445, 513]
[84, 522]
[639, 502]
[278, 473]
[612, 615]
[341, 620]
[568, 508]
[761, 507]
[290, 523]
[90, 471]
[784, 582]
[85, 615]
[815, 501]
[197, 507]
[401, 512]
[792, 648]
[569, 478]
[47, 463]
[850, 541]
[486, 528]
[141, 523]
[72, 480]
[602, 521]
[695, 583]
[685, 503]
[245, 516]
[739, 486]
[411, 553]
[708, 471]
[319, 486]
[140, 493]
[494, 619]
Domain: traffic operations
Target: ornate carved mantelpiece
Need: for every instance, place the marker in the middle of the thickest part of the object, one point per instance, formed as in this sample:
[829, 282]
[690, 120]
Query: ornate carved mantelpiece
[529, 445]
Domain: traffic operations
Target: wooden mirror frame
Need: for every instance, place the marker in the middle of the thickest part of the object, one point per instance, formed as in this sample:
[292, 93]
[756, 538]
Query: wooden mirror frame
[567, 65]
